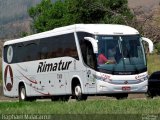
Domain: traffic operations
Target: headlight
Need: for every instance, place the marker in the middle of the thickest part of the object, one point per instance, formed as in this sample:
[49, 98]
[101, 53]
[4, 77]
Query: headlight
[141, 77]
[104, 78]
[144, 78]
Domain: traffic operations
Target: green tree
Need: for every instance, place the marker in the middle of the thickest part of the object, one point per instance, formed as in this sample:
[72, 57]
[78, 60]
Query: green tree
[48, 15]
[41, 15]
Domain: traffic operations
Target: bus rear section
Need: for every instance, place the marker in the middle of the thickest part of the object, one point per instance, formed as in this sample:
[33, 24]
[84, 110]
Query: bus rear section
[39, 66]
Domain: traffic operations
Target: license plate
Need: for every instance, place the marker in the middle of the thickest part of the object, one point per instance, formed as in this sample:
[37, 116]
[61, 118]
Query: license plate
[126, 88]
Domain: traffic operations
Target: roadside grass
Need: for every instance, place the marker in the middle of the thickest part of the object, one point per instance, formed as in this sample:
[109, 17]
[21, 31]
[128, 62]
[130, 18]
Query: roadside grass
[153, 63]
[127, 106]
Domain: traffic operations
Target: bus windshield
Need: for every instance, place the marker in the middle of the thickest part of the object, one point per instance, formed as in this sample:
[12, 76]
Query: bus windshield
[121, 55]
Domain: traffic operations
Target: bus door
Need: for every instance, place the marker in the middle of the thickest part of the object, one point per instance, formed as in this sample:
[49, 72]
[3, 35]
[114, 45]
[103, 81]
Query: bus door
[91, 81]
[91, 63]
[88, 48]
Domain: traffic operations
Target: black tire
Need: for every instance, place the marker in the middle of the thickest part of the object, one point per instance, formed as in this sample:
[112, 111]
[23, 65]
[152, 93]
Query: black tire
[22, 93]
[77, 93]
[121, 96]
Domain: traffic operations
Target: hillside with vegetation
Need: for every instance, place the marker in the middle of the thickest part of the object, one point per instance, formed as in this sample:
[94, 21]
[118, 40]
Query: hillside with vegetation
[14, 18]
[13, 10]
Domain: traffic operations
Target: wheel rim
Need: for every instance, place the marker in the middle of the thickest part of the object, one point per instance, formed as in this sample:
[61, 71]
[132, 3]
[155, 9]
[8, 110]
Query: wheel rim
[78, 91]
[22, 93]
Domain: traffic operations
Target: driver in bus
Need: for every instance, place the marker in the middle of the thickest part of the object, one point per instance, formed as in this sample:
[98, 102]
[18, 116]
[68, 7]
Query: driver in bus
[112, 53]
[102, 59]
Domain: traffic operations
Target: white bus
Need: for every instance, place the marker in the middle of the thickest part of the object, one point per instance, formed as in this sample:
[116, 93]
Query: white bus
[66, 62]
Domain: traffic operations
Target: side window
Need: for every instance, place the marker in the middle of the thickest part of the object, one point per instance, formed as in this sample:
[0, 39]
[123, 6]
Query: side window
[81, 40]
[22, 52]
[9, 53]
[45, 48]
[5, 53]
[59, 40]
[30, 51]
[89, 57]
[53, 53]
[69, 45]
[19, 52]
[58, 46]
[26, 51]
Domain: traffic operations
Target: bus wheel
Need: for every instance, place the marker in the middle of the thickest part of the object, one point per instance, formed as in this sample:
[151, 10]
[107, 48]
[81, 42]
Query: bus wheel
[22, 93]
[121, 96]
[78, 93]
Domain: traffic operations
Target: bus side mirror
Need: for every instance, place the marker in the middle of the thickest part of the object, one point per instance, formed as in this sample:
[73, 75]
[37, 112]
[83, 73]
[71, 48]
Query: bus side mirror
[94, 43]
[150, 44]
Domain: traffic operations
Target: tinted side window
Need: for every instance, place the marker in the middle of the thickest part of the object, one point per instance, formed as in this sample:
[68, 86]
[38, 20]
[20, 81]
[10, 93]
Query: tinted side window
[9, 53]
[81, 36]
[19, 53]
[31, 51]
[86, 49]
[58, 46]
[5, 53]
[69, 45]
[45, 48]
[25, 51]
[82, 43]
[22, 52]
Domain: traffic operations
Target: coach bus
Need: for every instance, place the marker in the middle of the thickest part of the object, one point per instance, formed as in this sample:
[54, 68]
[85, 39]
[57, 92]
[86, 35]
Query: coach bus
[66, 62]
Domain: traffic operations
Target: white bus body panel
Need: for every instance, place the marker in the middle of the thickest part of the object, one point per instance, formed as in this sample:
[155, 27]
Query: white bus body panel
[121, 84]
[43, 83]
